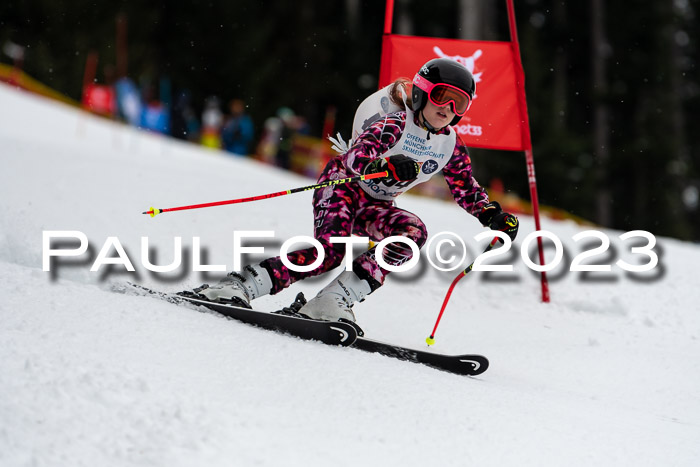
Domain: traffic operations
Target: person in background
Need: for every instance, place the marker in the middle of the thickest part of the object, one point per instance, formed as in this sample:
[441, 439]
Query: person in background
[286, 140]
[269, 140]
[184, 123]
[155, 115]
[212, 120]
[237, 133]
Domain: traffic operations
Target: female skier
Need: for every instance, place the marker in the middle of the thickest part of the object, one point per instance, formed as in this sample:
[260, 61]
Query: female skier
[412, 144]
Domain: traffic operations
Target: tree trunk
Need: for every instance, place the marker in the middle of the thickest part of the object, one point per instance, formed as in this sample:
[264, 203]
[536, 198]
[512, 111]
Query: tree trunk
[476, 20]
[601, 128]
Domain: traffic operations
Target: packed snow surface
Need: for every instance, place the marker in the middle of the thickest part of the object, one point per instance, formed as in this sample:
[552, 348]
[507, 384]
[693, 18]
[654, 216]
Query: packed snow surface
[608, 373]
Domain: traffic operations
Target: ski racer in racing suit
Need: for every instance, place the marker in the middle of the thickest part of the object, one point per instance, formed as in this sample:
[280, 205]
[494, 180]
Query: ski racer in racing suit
[412, 145]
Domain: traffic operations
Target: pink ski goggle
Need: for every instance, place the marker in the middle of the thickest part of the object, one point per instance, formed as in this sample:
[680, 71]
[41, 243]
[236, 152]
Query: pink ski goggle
[442, 94]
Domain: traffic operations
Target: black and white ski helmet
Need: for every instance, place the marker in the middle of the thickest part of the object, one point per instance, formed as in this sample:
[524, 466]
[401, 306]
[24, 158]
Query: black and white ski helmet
[443, 70]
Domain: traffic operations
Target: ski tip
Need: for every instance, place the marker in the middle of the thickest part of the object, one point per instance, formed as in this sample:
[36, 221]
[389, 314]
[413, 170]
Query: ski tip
[430, 340]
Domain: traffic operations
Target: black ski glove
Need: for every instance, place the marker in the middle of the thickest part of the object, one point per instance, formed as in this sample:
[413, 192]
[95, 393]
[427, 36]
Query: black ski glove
[493, 217]
[401, 168]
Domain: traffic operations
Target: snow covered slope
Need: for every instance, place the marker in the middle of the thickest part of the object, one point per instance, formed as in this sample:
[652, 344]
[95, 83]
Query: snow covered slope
[606, 374]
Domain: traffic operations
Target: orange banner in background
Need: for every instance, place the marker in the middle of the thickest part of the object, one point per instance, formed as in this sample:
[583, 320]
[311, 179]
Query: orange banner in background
[493, 121]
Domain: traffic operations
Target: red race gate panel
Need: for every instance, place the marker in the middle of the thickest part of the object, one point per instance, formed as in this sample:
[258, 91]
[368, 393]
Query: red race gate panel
[493, 121]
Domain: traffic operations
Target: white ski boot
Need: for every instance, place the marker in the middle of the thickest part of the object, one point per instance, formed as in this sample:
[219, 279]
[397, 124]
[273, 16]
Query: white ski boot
[239, 289]
[335, 301]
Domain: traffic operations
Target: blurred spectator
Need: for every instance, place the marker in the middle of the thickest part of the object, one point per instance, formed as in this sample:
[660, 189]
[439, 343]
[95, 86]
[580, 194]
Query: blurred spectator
[277, 142]
[237, 133]
[286, 138]
[184, 120]
[129, 101]
[154, 115]
[270, 139]
[212, 120]
[301, 126]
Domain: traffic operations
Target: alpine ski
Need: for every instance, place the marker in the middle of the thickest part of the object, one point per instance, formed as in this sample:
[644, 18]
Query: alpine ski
[339, 333]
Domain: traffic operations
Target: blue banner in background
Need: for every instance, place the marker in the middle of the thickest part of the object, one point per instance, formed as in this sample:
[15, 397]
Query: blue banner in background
[129, 101]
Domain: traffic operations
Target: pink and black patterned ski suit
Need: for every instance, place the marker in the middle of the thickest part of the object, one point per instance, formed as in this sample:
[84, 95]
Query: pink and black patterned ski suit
[344, 210]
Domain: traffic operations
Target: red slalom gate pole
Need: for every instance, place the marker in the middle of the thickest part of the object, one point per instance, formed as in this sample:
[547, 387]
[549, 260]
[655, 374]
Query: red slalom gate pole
[431, 340]
[527, 140]
[153, 211]
[388, 16]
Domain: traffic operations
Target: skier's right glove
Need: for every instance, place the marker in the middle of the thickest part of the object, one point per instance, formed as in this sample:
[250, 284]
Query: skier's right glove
[493, 217]
[401, 168]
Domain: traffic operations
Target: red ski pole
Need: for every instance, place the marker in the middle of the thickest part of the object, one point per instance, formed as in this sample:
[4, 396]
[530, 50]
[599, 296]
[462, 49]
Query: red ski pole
[153, 211]
[431, 340]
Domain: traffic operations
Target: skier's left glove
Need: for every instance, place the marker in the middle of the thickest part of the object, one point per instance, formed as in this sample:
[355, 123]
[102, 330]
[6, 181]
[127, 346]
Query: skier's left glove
[493, 217]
